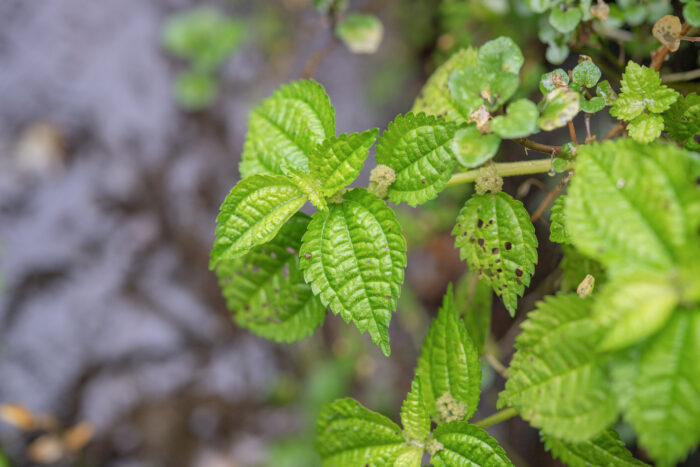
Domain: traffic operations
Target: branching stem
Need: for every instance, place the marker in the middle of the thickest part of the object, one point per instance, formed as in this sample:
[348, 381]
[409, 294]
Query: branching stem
[535, 146]
[507, 169]
[498, 417]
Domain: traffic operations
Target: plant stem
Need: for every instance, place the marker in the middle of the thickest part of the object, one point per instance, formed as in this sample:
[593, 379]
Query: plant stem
[498, 417]
[507, 169]
[681, 76]
[535, 146]
[572, 132]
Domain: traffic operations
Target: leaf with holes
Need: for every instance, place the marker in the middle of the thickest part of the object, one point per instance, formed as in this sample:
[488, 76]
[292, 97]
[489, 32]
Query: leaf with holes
[449, 368]
[419, 150]
[557, 381]
[353, 256]
[605, 450]
[349, 434]
[658, 387]
[496, 238]
[337, 161]
[462, 444]
[252, 214]
[286, 128]
[647, 188]
[265, 289]
[435, 97]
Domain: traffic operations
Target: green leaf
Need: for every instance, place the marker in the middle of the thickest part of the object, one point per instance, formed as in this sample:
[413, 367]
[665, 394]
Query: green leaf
[349, 434]
[557, 219]
[194, 90]
[408, 456]
[606, 91]
[520, 121]
[415, 417]
[682, 119]
[465, 445]
[547, 80]
[648, 189]
[419, 150]
[309, 185]
[565, 20]
[645, 128]
[435, 97]
[585, 74]
[203, 36]
[353, 256]
[473, 300]
[252, 214]
[593, 105]
[641, 90]
[605, 450]
[286, 128]
[633, 307]
[265, 290]
[539, 6]
[449, 368]
[338, 160]
[472, 148]
[361, 33]
[556, 381]
[559, 107]
[501, 54]
[658, 387]
[691, 12]
[496, 238]
[556, 53]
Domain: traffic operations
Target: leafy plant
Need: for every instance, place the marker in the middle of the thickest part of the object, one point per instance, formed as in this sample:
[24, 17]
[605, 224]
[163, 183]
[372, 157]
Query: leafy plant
[625, 346]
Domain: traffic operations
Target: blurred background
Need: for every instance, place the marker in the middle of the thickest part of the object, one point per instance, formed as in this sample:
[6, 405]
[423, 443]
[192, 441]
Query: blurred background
[121, 128]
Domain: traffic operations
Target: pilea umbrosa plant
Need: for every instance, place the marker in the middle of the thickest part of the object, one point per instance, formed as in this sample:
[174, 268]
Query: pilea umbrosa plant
[625, 345]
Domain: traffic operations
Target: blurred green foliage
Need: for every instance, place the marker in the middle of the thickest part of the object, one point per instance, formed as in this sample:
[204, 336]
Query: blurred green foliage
[205, 39]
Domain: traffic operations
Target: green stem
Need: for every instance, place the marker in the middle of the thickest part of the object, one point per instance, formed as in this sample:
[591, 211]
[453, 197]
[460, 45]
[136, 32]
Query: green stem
[498, 417]
[507, 169]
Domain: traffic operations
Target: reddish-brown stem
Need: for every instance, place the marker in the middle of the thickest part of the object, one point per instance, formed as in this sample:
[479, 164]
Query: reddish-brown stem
[545, 148]
[572, 132]
[317, 58]
[658, 56]
[616, 129]
[550, 197]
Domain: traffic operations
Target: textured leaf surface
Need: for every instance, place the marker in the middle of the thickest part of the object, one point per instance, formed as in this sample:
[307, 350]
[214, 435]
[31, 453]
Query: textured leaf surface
[252, 214]
[449, 367]
[576, 267]
[435, 98]
[585, 75]
[556, 381]
[466, 445]
[646, 127]
[349, 434]
[496, 238]
[265, 290]
[641, 90]
[564, 20]
[309, 185]
[557, 220]
[633, 307]
[648, 189]
[419, 150]
[473, 300]
[414, 414]
[353, 256]
[286, 127]
[472, 148]
[605, 450]
[338, 160]
[658, 386]
[682, 119]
